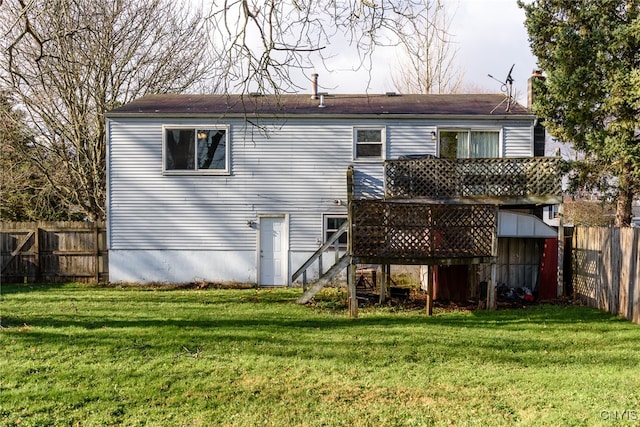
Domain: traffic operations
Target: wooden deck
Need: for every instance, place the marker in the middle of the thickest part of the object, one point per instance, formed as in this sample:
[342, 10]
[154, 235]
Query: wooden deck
[442, 212]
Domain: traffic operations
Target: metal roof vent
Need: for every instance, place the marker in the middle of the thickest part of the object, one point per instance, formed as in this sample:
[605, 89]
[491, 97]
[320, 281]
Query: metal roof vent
[321, 102]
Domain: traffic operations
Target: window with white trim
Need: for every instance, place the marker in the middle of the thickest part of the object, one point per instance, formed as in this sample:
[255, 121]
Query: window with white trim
[203, 150]
[368, 143]
[469, 144]
[331, 224]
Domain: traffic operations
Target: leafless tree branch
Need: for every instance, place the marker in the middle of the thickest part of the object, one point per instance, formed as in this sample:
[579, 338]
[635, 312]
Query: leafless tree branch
[70, 61]
[428, 61]
[270, 46]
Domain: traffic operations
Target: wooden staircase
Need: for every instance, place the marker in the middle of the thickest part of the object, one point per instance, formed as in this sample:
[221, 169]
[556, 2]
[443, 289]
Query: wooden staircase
[340, 263]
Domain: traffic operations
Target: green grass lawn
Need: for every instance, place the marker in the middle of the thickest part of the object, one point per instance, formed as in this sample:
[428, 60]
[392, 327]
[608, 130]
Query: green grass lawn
[88, 356]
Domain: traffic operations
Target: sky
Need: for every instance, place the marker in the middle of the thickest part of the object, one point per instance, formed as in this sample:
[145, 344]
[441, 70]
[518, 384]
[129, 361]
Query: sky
[490, 37]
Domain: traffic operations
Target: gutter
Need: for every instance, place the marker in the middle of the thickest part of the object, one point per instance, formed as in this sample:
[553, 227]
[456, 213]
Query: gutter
[371, 116]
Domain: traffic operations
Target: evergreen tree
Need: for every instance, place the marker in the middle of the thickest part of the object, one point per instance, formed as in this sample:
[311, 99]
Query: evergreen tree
[590, 52]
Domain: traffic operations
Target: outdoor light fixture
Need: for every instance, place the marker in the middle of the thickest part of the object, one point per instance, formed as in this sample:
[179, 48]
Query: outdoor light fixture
[433, 135]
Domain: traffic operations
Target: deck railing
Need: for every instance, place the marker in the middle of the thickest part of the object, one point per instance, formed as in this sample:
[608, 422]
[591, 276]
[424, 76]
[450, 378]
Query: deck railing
[516, 180]
[418, 233]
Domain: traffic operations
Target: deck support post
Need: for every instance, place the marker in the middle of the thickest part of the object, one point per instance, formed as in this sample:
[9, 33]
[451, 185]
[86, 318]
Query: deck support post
[429, 307]
[386, 272]
[351, 290]
[493, 286]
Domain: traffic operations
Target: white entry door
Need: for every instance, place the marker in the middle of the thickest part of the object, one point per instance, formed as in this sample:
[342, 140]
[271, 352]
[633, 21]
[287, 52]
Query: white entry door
[273, 251]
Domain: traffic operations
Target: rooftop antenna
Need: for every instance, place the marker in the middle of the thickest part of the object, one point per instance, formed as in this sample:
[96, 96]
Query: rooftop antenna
[506, 88]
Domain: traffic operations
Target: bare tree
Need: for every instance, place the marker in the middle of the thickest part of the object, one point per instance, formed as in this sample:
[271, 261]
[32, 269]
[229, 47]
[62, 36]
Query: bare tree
[269, 46]
[428, 62]
[589, 213]
[69, 61]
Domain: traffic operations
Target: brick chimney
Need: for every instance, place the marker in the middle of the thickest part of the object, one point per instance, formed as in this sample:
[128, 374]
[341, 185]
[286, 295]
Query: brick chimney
[539, 132]
[314, 86]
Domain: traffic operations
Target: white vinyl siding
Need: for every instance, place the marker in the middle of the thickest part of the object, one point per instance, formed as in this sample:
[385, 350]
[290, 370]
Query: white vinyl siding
[369, 181]
[298, 168]
[411, 137]
[281, 172]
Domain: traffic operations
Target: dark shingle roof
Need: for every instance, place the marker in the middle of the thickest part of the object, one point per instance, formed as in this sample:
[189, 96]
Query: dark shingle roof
[334, 105]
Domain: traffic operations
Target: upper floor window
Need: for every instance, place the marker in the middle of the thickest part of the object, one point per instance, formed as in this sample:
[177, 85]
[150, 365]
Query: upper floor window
[196, 149]
[368, 143]
[465, 143]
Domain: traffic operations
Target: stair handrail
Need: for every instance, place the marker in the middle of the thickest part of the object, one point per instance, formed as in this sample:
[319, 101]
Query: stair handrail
[330, 242]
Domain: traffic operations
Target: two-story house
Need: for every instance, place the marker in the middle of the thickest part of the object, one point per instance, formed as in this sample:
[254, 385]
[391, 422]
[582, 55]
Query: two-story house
[230, 188]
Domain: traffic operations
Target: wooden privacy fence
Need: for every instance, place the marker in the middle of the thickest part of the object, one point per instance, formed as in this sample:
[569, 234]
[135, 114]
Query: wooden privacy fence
[53, 252]
[606, 269]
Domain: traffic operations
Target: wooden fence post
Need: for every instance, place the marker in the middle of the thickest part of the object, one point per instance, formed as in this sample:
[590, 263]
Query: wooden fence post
[492, 301]
[560, 282]
[96, 238]
[36, 253]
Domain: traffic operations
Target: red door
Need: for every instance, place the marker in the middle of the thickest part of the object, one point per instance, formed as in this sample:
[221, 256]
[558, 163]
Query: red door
[549, 271]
